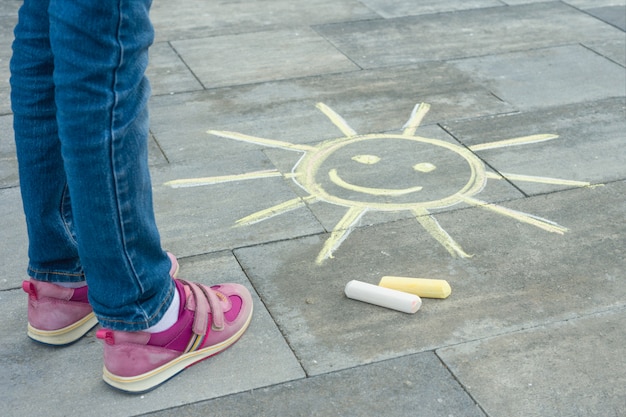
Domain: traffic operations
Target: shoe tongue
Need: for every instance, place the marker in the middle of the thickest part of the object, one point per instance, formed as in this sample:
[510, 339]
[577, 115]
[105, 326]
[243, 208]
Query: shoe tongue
[176, 337]
[80, 294]
[182, 293]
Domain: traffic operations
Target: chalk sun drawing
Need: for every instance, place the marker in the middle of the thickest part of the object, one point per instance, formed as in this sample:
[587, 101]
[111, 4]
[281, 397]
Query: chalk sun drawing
[318, 173]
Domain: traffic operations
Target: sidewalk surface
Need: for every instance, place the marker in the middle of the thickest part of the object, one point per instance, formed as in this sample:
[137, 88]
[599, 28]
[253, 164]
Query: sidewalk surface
[289, 153]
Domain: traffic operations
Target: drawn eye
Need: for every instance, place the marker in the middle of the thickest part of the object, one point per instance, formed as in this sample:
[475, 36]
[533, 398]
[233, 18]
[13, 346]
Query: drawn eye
[366, 159]
[424, 167]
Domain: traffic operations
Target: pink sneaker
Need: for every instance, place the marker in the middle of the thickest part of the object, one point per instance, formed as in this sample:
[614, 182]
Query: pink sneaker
[60, 316]
[210, 320]
[175, 267]
[57, 315]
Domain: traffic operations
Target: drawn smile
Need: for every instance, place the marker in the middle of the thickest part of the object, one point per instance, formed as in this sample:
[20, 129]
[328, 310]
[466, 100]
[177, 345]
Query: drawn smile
[336, 179]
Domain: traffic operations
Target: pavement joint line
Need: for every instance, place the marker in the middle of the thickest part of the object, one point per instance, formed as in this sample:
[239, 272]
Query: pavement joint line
[460, 384]
[547, 324]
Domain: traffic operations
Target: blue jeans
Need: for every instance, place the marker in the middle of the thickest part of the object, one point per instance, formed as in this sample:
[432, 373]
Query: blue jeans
[79, 97]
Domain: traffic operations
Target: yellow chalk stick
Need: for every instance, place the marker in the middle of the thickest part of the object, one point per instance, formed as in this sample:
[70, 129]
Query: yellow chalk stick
[422, 287]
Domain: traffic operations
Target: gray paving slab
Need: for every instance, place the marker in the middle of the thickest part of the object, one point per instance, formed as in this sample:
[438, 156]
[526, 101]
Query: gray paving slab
[548, 77]
[190, 20]
[588, 146]
[8, 19]
[613, 50]
[68, 381]
[519, 2]
[168, 74]
[370, 101]
[465, 34]
[8, 160]
[14, 243]
[519, 276]
[261, 56]
[155, 154]
[9, 7]
[571, 368]
[203, 218]
[589, 4]
[415, 385]
[613, 15]
[397, 8]
[580, 4]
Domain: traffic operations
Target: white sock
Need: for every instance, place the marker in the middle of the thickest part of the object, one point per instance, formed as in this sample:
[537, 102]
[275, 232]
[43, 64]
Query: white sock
[169, 318]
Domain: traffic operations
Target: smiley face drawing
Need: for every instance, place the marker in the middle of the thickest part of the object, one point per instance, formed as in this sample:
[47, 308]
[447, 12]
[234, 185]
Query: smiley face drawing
[372, 180]
[388, 173]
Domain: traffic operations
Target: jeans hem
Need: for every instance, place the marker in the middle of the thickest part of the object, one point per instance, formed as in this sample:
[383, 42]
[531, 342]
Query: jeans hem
[141, 323]
[55, 276]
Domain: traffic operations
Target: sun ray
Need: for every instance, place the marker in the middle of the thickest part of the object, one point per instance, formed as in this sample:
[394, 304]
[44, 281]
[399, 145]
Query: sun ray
[197, 182]
[270, 212]
[513, 142]
[540, 180]
[536, 221]
[337, 120]
[340, 233]
[272, 143]
[417, 115]
[432, 226]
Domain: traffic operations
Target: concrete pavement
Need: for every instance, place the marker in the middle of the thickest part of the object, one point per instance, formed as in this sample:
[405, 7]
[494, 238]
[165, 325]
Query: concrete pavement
[289, 153]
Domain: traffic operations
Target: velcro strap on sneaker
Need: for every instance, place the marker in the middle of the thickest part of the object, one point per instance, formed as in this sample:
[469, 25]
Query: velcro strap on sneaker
[216, 308]
[204, 300]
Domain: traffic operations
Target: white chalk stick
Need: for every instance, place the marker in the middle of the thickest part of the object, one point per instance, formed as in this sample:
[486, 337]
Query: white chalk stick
[384, 297]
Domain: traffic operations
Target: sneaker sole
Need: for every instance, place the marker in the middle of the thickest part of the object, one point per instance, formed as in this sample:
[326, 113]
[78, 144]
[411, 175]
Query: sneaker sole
[148, 381]
[66, 335]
